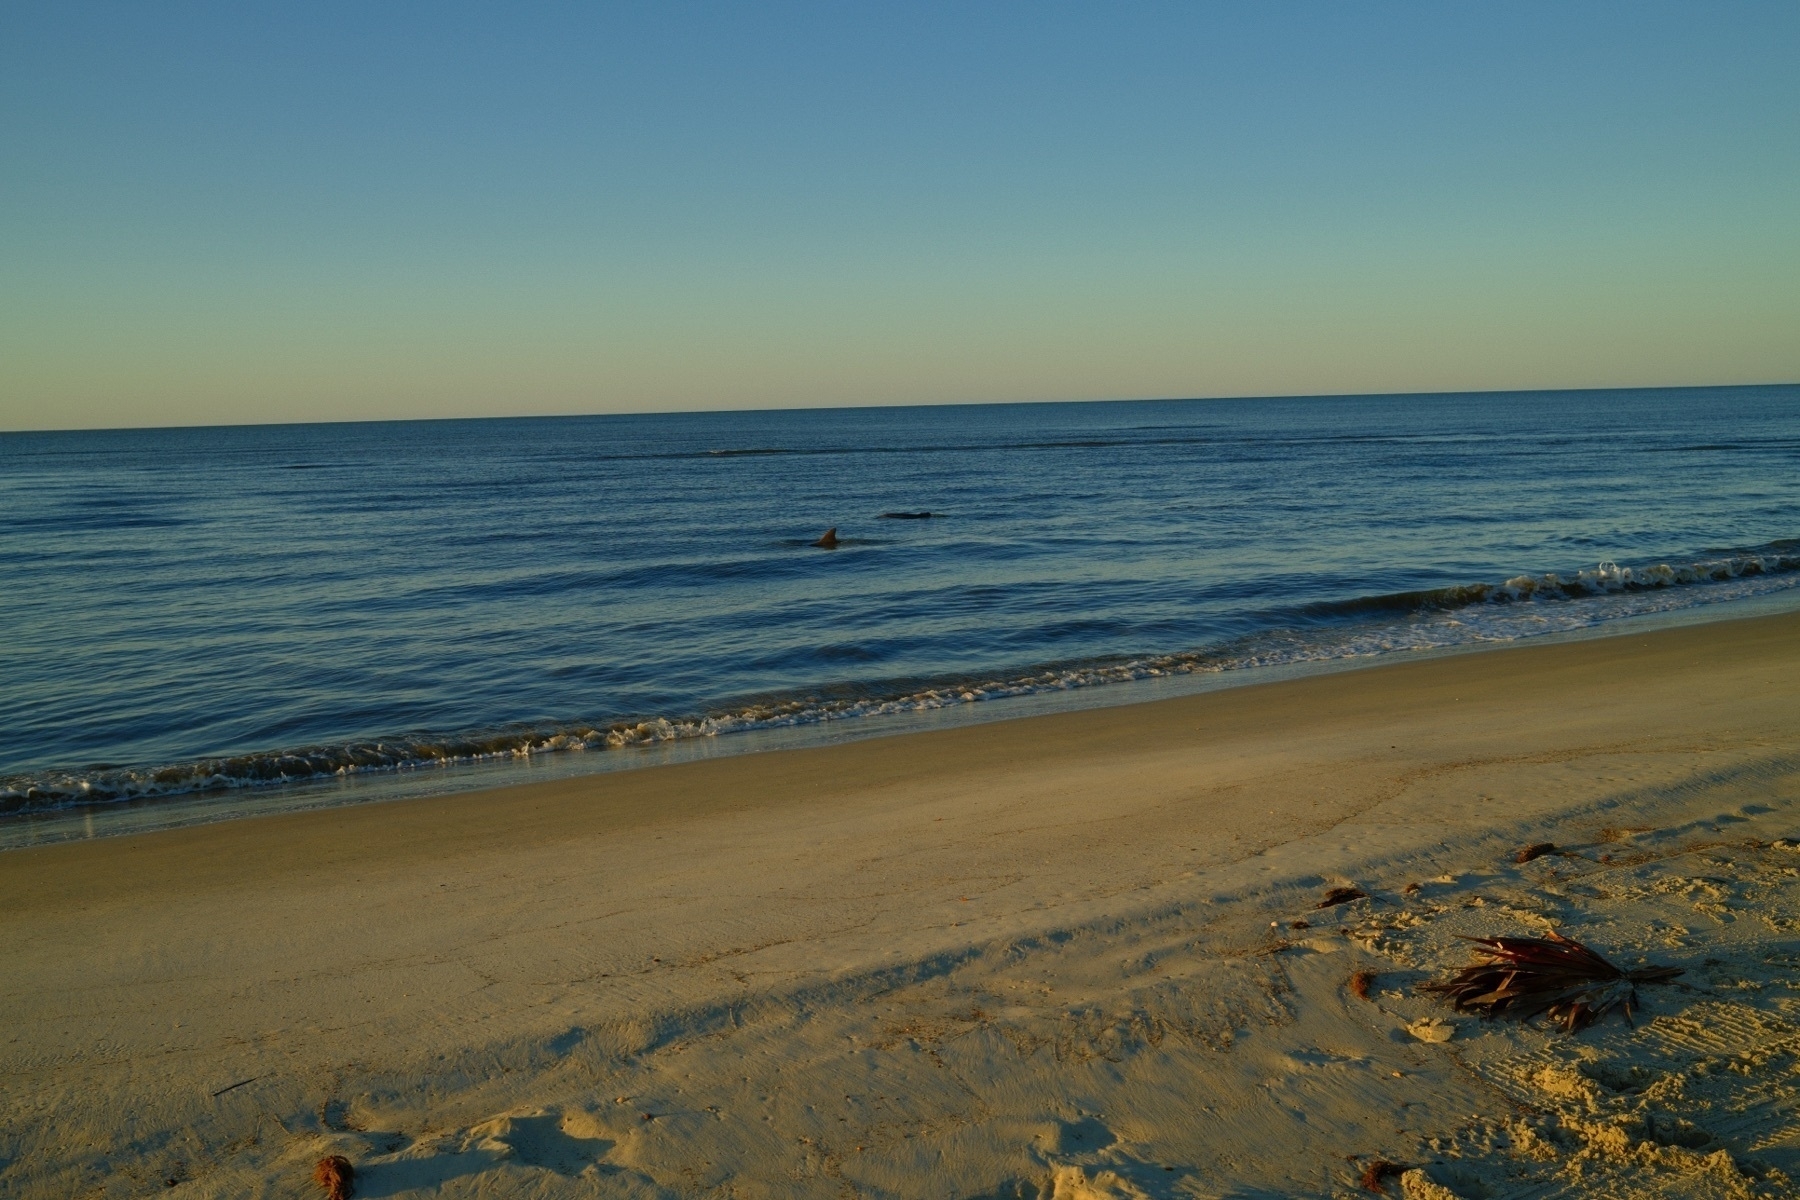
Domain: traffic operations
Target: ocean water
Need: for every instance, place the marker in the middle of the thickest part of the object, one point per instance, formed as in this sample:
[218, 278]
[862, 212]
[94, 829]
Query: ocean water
[252, 609]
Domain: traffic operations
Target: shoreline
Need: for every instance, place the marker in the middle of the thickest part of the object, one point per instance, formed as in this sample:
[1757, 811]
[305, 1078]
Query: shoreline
[128, 817]
[652, 981]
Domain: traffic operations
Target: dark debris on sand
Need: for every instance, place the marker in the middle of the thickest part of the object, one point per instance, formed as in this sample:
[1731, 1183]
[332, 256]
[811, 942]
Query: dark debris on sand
[336, 1176]
[1377, 1173]
[1523, 977]
[1341, 895]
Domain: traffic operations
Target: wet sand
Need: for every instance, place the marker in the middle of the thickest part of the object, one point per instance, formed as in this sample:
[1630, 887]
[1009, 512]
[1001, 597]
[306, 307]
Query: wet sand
[1051, 956]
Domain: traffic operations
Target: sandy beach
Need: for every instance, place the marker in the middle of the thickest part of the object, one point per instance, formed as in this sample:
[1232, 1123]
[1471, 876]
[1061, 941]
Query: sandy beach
[1072, 956]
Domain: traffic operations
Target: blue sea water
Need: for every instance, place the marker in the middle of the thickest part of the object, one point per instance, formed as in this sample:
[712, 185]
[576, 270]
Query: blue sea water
[194, 610]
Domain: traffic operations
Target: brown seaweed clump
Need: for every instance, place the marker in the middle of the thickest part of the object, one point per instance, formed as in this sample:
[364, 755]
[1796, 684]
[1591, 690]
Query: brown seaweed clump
[1376, 1174]
[1523, 977]
[1360, 982]
[1535, 850]
[336, 1176]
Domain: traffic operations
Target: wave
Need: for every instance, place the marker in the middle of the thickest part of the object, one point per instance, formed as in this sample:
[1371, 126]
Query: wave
[1091, 443]
[1433, 618]
[1606, 578]
[1188, 436]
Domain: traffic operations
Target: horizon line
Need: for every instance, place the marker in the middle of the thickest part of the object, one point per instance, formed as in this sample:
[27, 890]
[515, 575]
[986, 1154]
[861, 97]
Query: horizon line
[676, 412]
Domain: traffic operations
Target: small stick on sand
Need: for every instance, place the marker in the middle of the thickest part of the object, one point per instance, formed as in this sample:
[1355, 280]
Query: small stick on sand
[232, 1087]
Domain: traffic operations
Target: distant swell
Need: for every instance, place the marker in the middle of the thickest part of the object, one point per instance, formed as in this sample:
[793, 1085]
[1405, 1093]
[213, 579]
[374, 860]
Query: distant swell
[1434, 618]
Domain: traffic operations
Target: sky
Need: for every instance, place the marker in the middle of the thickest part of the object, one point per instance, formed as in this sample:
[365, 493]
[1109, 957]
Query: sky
[236, 213]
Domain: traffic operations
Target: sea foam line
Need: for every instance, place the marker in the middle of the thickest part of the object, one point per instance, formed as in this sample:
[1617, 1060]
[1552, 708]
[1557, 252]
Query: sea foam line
[1523, 606]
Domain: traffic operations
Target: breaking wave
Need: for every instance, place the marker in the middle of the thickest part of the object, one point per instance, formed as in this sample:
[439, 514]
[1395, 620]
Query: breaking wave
[1523, 606]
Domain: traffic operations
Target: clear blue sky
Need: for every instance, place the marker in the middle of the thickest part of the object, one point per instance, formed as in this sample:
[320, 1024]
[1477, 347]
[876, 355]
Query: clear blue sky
[253, 212]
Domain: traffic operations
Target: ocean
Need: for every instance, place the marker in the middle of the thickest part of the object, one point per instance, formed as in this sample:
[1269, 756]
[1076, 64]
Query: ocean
[204, 622]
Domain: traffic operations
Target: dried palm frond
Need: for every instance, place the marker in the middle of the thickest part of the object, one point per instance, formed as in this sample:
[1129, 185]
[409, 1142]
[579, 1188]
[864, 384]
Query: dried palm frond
[336, 1176]
[1522, 977]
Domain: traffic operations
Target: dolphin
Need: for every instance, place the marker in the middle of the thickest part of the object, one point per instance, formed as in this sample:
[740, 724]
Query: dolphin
[830, 540]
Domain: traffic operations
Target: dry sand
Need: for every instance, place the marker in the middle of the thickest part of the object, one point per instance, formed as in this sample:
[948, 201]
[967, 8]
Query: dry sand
[1052, 956]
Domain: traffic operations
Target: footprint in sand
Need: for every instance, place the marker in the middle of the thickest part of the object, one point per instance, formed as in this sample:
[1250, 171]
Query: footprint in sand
[563, 1144]
[548, 1140]
[1083, 1136]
